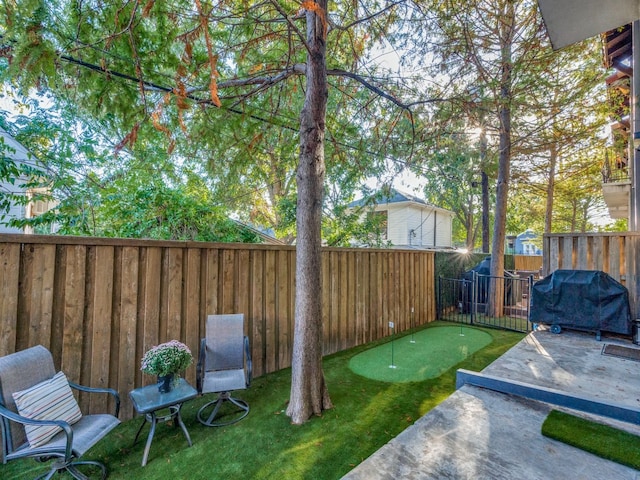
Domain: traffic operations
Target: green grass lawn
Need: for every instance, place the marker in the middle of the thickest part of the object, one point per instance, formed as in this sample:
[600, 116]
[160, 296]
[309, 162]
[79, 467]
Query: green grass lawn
[601, 440]
[366, 415]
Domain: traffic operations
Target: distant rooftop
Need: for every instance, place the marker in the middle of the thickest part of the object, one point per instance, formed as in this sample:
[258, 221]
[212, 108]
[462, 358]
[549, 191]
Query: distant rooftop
[392, 196]
[15, 149]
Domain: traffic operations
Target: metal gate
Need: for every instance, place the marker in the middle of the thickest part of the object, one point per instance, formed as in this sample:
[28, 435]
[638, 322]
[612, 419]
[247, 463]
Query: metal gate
[466, 301]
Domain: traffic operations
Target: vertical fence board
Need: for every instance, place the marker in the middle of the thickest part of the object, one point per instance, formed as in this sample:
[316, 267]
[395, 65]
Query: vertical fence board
[191, 336]
[9, 281]
[582, 256]
[413, 289]
[149, 304]
[242, 297]
[127, 317]
[383, 295]
[406, 289]
[627, 265]
[57, 324]
[326, 303]
[229, 281]
[292, 292]
[568, 253]
[372, 298]
[257, 313]
[40, 269]
[392, 306]
[25, 304]
[285, 336]
[553, 256]
[100, 313]
[334, 302]
[614, 258]
[171, 310]
[211, 286]
[73, 306]
[270, 331]
[360, 302]
[341, 298]
[350, 300]
[597, 254]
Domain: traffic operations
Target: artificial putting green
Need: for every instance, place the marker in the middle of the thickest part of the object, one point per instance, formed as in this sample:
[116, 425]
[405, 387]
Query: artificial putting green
[432, 352]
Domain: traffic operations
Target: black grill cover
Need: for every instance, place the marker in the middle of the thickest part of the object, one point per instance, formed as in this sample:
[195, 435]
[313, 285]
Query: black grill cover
[581, 299]
[483, 269]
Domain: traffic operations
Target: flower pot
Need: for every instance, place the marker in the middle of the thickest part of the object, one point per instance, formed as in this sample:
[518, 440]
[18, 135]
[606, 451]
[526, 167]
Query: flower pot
[165, 383]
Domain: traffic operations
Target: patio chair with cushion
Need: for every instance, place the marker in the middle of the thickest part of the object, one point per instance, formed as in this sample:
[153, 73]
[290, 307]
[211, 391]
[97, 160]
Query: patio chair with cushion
[224, 365]
[40, 417]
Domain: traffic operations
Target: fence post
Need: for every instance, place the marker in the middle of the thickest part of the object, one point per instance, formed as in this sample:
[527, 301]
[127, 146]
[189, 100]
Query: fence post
[474, 295]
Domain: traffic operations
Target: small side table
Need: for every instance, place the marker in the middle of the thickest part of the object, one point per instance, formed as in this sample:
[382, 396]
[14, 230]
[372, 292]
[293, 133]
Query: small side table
[148, 401]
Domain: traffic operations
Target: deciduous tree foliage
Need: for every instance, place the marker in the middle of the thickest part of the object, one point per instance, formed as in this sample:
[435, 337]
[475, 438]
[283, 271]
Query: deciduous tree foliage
[204, 79]
[499, 48]
[73, 169]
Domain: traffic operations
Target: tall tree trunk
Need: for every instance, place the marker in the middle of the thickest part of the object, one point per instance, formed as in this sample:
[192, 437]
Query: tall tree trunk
[471, 234]
[485, 210]
[584, 217]
[484, 182]
[309, 393]
[496, 297]
[548, 214]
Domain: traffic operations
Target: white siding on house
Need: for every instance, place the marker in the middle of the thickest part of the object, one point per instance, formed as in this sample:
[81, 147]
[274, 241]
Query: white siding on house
[11, 148]
[416, 226]
[16, 211]
[397, 224]
[411, 222]
[444, 235]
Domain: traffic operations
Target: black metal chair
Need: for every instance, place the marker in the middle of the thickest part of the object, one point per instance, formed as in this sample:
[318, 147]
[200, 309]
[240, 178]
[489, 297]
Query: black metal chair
[224, 365]
[32, 370]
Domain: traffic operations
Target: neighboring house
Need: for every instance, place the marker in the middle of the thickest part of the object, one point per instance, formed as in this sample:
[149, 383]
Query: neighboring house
[265, 235]
[410, 222]
[11, 148]
[526, 243]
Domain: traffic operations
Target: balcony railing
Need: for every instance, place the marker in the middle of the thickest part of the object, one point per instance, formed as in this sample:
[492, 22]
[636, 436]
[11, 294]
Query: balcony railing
[616, 175]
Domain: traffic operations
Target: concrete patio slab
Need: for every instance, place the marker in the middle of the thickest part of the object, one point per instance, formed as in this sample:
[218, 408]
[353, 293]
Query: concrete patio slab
[481, 434]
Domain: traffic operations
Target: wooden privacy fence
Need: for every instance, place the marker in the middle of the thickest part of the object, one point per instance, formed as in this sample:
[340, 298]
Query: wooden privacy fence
[616, 253]
[99, 304]
[530, 263]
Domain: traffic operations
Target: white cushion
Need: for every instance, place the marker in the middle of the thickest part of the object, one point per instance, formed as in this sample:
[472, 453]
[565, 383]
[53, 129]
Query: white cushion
[48, 400]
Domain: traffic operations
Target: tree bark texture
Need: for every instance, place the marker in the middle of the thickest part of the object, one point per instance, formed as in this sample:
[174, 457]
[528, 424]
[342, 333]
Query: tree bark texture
[496, 298]
[484, 182]
[486, 240]
[551, 183]
[309, 393]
